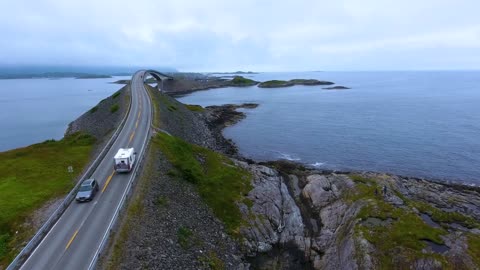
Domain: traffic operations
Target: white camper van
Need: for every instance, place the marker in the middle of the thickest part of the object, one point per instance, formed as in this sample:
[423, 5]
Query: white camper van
[124, 160]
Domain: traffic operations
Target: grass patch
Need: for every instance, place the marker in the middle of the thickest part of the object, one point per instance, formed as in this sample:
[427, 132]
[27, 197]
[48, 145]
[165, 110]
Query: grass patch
[184, 236]
[154, 99]
[212, 261]
[195, 108]
[33, 175]
[3, 243]
[161, 201]
[275, 83]
[116, 94]
[474, 248]
[219, 182]
[403, 237]
[242, 81]
[172, 108]
[94, 109]
[114, 108]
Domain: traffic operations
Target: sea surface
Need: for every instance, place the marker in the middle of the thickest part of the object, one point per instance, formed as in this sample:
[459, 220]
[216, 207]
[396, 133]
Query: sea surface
[422, 124]
[35, 110]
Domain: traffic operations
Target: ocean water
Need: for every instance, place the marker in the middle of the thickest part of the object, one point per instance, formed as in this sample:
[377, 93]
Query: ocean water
[423, 124]
[34, 110]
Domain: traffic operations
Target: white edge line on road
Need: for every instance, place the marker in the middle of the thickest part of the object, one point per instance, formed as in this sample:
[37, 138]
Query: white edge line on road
[133, 174]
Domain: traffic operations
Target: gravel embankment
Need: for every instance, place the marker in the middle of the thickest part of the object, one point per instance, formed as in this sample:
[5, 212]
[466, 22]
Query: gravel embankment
[102, 119]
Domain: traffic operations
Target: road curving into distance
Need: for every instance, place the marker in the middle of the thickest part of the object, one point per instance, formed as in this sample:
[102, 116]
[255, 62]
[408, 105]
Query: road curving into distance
[76, 239]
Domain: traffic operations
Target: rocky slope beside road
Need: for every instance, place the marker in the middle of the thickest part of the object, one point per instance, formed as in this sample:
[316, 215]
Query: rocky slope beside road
[103, 118]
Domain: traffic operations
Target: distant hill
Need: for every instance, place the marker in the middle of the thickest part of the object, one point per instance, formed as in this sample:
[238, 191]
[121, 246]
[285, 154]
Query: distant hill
[26, 72]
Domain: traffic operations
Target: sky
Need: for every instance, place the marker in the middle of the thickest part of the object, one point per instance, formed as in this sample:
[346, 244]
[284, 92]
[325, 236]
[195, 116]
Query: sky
[221, 35]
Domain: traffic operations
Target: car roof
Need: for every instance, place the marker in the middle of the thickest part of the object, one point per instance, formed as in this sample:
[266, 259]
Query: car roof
[88, 181]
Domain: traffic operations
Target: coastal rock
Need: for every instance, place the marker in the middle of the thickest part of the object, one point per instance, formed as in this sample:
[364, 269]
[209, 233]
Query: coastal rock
[277, 218]
[281, 83]
[311, 223]
[339, 87]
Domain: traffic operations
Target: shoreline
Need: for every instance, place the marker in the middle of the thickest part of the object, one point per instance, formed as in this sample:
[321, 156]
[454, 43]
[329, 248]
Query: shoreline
[225, 107]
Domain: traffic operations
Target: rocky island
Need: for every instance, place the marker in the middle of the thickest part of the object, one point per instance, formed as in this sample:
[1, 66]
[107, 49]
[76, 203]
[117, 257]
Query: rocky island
[281, 83]
[338, 87]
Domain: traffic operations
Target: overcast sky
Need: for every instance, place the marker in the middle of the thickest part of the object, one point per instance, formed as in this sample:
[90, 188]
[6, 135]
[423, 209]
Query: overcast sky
[211, 35]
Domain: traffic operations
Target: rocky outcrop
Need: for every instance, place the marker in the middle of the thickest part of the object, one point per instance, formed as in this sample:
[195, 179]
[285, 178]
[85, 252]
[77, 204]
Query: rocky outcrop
[299, 221]
[307, 219]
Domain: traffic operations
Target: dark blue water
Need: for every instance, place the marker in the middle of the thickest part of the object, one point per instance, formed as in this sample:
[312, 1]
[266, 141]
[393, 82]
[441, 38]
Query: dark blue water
[34, 110]
[424, 124]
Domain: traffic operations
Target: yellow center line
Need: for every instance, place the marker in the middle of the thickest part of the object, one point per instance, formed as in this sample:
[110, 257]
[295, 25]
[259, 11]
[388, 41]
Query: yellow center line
[139, 114]
[71, 240]
[107, 182]
[136, 124]
[131, 136]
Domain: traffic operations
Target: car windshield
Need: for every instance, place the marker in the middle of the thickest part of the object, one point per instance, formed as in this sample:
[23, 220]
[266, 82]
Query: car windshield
[86, 187]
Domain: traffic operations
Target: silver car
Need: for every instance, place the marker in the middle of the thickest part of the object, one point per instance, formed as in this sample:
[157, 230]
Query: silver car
[87, 190]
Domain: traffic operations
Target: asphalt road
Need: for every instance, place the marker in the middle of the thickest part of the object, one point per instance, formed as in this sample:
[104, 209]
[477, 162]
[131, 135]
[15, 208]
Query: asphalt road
[77, 235]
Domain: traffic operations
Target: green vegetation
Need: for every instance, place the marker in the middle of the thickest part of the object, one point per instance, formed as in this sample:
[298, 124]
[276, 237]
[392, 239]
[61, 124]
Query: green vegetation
[275, 83]
[184, 236]
[443, 217]
[94, 109]
[242, 81]
[219, 182]
[212, 261]
[280, 83]
[116, 94]
[154, 99]
[310, 82]
[474, 248]
[161, 201]
[114, 108]
[195, 108]
[403, 237]
[32, 176]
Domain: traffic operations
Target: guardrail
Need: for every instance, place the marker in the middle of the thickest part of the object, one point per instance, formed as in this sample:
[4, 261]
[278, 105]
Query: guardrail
[125, 194]
[42, 232]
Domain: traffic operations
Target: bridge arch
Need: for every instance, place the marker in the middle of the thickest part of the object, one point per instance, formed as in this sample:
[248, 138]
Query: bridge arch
[160, 77]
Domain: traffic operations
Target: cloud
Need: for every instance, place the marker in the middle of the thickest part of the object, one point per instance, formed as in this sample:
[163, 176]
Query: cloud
[220, 35]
